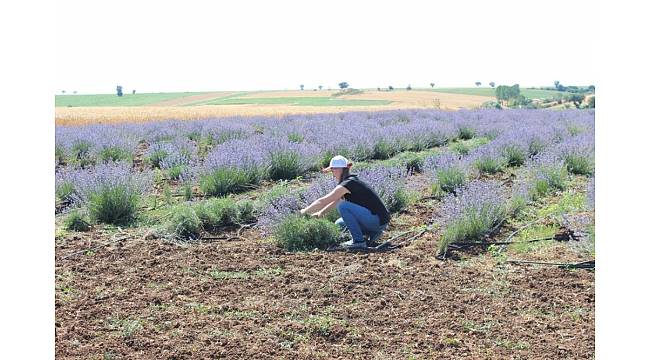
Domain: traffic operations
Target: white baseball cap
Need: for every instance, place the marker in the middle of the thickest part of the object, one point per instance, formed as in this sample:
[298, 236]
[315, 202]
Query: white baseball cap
[338, 161]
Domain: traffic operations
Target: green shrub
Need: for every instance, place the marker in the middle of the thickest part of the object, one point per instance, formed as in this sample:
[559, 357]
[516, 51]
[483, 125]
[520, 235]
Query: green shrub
[64, 191]
[466, 133]
[382, 150]
[59, 155]
[450, 179]
[398, 202]
[295, 137]
[549, 178]
[412, 161]
[76, 222]
[245, 212]
[460, 147]
[223, 181]
[414, 164]
[113, 204]
[175, 172]
[515, 156]
[80, 154]
[217, 212]
[491, 105]
[540, 188]
[579, 164]
[516, 204]
[285, 165]
[167, 194]
[187, 191]
[489, 165]
[204, 145]
[297, 232]
[156, 158]
[114, 153]
[472, 225]
[184, 223]
[535, 147]
[194, 136]
[436, 190]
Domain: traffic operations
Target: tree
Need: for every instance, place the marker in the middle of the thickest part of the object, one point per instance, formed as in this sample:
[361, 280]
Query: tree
[390, 88]
[63, 92]
[504, 92]
[408, 87]
[556, 83]
[492, 84]
[491, 105]
[378, 89]
[591, 102]
[432, 84]
[520, 101]
[343, 85]
[320, 87]
[133, 92]
[302, 87]
[119, 90]
[576, 99]
[75, 92]
[478, 83]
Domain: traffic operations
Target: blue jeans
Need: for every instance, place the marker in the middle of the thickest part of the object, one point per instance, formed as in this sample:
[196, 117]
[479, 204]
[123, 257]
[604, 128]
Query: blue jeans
[360, 221]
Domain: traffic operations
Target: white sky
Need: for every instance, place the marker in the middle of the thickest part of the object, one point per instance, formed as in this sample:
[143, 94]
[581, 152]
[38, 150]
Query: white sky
[162, 46]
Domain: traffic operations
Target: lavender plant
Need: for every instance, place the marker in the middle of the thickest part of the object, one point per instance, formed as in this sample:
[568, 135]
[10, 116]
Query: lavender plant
[390, 185]
[472, 213]
[547, 174]
[111, 192]
[487, 160]
[184, 224]
[447, 173]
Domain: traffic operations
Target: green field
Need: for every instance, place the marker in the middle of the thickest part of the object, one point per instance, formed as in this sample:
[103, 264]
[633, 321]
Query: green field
[114, 100]
[482, 91]
[305, 101]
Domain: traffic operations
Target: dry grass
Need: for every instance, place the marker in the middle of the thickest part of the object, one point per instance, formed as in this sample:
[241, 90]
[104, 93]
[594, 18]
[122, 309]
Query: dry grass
[419, 98]
[401, 99]
[106, 115]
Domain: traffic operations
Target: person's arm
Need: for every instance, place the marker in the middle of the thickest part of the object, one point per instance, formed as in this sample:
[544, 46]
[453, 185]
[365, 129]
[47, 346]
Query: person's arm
[319, 204]
[327, 208]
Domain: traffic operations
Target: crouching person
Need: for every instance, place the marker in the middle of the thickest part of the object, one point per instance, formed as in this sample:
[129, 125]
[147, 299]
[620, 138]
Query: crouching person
[362, 212]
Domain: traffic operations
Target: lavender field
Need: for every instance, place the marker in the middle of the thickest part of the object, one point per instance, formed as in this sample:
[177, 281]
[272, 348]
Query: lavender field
[450, 179]
[223, 157]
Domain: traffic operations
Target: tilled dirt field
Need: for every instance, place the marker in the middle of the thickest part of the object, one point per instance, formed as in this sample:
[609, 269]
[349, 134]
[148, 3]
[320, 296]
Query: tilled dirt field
[247, 299]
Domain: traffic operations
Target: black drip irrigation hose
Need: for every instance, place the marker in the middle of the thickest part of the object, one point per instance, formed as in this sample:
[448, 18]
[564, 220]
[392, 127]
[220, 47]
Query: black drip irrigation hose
[569, 235]
[591, 264]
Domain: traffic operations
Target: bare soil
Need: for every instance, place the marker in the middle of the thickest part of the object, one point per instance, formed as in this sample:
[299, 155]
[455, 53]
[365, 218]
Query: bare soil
[146, 298]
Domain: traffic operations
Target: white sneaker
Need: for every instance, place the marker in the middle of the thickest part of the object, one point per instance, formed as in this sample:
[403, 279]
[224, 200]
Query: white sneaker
[354, 245]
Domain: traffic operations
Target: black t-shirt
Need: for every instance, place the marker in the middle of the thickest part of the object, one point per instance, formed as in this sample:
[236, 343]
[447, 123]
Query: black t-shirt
[362, 194]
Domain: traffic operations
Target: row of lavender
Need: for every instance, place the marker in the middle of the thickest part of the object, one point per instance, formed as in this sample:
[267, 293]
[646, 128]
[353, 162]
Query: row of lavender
[227, 156]
[215, 152]
[517, 135]
[472, 209]
[471, 205]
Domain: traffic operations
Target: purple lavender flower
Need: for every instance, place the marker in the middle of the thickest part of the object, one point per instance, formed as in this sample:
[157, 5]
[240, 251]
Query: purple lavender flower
[472, 213]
